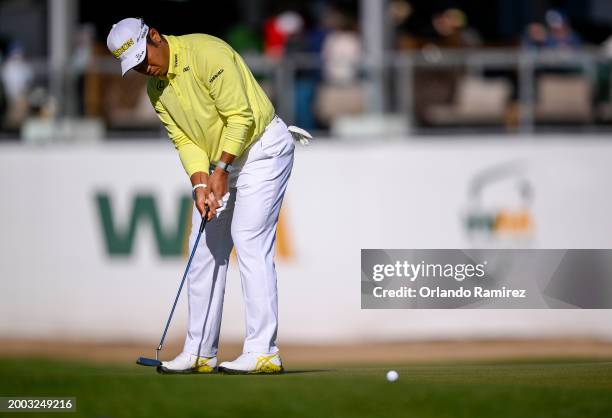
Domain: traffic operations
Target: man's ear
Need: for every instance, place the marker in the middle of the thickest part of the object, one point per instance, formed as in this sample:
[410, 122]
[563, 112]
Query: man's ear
[155, 36]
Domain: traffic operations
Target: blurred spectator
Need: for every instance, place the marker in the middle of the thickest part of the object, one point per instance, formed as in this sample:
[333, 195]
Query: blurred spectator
[446, 29]
[96, 84]
[453, 30]
[305, 42]
[431, 33]
[536, 36]
[399, 11]
[341, 93]
[341, 51]
[556, 34]
[562, 93]
[17, 76]
[278, 29]
[561, 36]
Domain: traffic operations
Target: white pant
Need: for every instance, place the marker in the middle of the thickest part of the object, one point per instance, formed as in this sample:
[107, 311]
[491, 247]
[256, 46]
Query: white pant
[257, 187]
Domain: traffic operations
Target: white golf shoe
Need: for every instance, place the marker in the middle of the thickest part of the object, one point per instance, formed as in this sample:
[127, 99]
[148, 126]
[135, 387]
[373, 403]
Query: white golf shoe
[188, 363]
[253, 363]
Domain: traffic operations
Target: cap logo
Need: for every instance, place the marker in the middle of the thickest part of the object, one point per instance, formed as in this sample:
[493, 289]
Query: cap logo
[117, 52]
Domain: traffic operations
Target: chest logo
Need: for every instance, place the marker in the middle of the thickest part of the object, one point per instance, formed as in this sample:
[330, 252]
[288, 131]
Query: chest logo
[186, 69]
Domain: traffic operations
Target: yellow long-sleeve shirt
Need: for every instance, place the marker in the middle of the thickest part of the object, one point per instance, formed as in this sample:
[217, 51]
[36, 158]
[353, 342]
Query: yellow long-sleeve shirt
[209, 101]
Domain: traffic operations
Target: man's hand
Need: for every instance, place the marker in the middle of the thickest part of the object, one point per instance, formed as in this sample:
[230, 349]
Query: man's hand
[201, 193]
[218, 187]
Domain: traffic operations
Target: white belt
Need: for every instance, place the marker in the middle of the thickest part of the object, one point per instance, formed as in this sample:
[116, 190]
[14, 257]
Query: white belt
[274, 121]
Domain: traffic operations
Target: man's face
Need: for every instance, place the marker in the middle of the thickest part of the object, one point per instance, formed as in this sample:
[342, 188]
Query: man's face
[155, 62]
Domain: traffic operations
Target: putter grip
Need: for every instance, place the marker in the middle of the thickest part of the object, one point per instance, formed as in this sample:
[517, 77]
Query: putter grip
[203, 223]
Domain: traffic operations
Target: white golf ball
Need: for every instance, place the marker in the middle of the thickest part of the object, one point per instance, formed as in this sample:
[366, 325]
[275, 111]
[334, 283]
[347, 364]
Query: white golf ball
[392, 376]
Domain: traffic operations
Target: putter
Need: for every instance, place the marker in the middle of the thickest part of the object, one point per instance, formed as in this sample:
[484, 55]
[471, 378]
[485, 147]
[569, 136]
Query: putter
[145, 361]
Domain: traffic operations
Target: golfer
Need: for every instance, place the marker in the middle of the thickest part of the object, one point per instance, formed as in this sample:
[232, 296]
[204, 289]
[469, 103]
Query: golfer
[238, 155]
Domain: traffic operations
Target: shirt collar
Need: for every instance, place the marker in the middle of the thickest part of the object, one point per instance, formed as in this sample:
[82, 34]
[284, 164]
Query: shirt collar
[174, 56]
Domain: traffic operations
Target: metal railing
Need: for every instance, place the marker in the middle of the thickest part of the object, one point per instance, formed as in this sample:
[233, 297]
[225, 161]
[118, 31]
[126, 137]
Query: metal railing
[400, 74]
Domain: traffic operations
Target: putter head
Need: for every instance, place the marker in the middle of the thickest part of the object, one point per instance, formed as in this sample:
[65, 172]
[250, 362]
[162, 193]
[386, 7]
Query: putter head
[151, 362]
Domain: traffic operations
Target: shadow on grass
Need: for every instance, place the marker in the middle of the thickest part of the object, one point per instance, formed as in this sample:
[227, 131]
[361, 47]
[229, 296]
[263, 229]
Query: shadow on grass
[286, 372]
[308, 371]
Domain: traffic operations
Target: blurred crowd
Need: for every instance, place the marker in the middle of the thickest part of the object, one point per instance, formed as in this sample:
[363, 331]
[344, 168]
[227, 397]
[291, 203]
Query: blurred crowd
[17, 78]
[323, 40]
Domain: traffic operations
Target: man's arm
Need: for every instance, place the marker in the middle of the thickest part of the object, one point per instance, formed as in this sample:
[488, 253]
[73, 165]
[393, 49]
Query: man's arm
[194, 159]
[226, 86]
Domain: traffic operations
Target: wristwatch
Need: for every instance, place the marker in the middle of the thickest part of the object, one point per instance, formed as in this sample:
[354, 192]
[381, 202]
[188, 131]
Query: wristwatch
[225, 166]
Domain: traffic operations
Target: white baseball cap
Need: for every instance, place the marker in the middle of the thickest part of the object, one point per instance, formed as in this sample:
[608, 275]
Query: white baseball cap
[127, 41]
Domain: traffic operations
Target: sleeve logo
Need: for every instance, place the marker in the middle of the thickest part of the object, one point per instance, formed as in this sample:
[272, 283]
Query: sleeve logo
[217, 74]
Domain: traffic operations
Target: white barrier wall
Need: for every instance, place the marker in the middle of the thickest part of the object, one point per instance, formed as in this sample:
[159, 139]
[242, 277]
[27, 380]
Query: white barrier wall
[59, 277]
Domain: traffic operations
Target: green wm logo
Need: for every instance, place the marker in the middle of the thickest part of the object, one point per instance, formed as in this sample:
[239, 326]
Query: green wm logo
[119, 235]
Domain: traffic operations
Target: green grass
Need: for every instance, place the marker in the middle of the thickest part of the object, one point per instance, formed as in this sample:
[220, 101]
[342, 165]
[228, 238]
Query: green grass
[572, 389]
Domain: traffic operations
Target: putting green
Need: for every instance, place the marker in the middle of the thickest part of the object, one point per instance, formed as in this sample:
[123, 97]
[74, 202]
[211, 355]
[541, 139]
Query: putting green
[506, 389]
